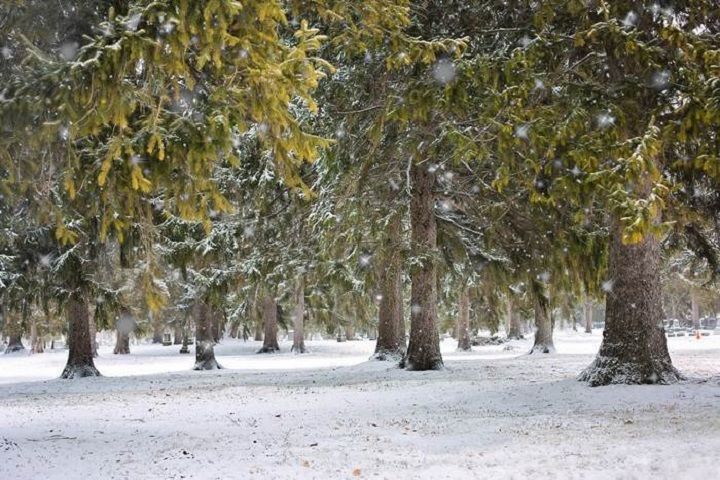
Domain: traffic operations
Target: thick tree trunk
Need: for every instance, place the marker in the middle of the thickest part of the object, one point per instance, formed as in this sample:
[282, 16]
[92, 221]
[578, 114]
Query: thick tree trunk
[14, 343]
[204, 339]
[391, 324]
[588, 317]
[158, 329]
[514, 324]
[80, 356]
[270, 342]
[543, 328]
[463, 321]
[299, 317]
[634, 347]
[423, 351]
[122, 343]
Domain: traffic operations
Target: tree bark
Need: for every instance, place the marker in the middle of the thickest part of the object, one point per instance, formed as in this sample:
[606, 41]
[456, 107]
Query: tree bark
[36, 342]
[349, 332]
[588, 317]
[423, 351]
[270, 342]
[463, 321]
[514, 324]
[158, 329]
[695, 310]
[543, 328]
[204, 337]
[14, 343]
[634, 347]
[178, 335]
[391, 324]
[93, 336]
[299, 317]
[80, 356]
[122, 343]
[13, 329]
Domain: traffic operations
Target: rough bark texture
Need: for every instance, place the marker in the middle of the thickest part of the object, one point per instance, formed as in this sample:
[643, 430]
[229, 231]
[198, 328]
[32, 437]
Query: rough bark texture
[349, 332]
[514, 330]
[299, 317]
[634, 347]
[122, 343]
[588, 317]
[14, 343]
[204, 338]
[158, 333]
[543, 328]
[391, 324]
[423, 351]
[270, 342]
[185, 348]
[80, 356]
[463, 321]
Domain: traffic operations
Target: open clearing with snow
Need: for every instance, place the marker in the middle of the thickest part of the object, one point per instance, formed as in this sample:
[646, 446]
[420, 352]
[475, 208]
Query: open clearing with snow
[492, 413]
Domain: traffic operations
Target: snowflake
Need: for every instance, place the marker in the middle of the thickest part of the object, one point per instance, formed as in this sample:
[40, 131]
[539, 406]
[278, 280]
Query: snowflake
[444, 71]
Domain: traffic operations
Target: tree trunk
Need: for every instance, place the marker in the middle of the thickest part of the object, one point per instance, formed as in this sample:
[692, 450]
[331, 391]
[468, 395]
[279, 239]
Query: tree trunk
[515, 325]
[588, 317]
[204, 338]
[299, 317]
[423, 351]
[158, 329]
[178, 335]
[543, 328]
[122, 343]
[93, 336]
[463, 321]
[80, 356]
[234, 328]
[185, 348]
[695, 310]
[391, 324]
[634, 347]
[258, 337]
[218, 325]
[270, 342]
[36, 343]
[349, 332]
[14, 343]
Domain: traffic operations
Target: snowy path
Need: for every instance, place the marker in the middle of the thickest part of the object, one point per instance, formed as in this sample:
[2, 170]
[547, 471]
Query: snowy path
[490, 414]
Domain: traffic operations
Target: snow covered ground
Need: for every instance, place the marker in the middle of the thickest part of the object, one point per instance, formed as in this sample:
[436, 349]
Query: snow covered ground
[492, 413]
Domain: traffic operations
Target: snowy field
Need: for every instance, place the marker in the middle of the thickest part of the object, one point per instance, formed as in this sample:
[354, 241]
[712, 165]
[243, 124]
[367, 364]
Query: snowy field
[492, 413]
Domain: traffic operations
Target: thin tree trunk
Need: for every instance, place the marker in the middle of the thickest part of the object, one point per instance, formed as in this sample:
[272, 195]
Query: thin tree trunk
[204, 338]
[258, 337]
[218, 325]
[634, 347]
[423, 351]
[543, 328]
[695, 310]
[158, 329]
[178, 335]
[588, 317]
[80, 356]
[299, 317]
[463, 321]
[270, 342]
[185, 348]
[391, 325]
[234, 328]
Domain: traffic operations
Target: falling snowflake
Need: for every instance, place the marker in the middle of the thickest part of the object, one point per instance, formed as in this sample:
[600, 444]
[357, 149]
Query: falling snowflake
[364, 260]
[68, 51]
[132, 23]
[521, 131]
[605, 120]
[660, 80]
[607, 286]
[444, 71]
[415, 309]
[630, 19]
